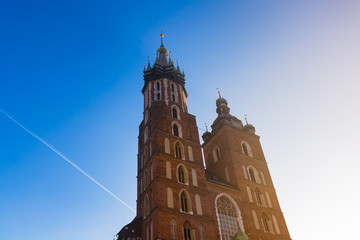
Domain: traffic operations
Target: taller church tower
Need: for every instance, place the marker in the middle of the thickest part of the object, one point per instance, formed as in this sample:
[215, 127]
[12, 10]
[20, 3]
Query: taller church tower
[177, 198]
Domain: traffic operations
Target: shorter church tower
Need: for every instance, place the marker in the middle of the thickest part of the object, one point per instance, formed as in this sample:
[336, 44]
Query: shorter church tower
[237, 171]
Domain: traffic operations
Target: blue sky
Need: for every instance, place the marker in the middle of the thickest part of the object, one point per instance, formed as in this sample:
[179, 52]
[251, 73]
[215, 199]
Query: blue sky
[71, 71]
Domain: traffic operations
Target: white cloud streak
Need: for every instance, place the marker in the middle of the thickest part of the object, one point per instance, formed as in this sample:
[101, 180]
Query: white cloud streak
[67, 159]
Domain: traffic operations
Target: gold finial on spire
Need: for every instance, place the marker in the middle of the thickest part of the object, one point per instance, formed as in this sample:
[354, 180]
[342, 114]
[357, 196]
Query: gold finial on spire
[206, 127]
[162, 36]
[219, 92]
[246, 120]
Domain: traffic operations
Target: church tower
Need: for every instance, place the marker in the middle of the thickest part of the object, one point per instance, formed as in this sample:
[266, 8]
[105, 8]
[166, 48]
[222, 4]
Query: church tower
[177, 198]
[234, 157]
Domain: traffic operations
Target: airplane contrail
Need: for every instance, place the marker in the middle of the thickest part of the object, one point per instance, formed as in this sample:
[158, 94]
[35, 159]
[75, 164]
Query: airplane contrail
[66, 159]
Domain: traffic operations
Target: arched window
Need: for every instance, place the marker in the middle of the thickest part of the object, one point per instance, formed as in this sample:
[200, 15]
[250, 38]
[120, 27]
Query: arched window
[173, 229]
[228, 218]
[201, 232]
[258, 197]
[157, 86]
[175, 130]
[158, 91]
[187, 235]
[181, 174]
[216, 154]
[265, 222]
[252, 175]
[179, 150]
[245, 149]
[185, 202]
[174, 113]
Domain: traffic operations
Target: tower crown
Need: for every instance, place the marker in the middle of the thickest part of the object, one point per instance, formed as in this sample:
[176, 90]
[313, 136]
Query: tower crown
[163, 67]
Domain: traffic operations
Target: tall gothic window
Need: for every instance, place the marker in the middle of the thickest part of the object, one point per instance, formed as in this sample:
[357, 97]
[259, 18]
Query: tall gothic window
[265, 222]
[258, 197]
[187, 235]
[158, 91]
[174, 113]
[173, 229]
[175, 130]
[178, 150]
[245, 149]
[184, 202]
[157, 86]
[227, 217]
[181, 174]
[252, 175]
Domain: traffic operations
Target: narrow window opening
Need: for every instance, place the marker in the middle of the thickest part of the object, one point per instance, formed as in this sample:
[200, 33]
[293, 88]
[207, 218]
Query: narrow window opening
[252, 175]
[187, 235]
[217, 153]
[158, 96]
[181, 175]
[258, 197]
[245, 149]
[176, 130]
[184, 202]
[266, 225]
[174, 113]
[178, 150]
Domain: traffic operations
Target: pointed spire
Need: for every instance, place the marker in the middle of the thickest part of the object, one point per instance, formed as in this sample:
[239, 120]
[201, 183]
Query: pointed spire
[148, 67]
[162, 52]
[219, 92]
[246, 120]
[162, 36]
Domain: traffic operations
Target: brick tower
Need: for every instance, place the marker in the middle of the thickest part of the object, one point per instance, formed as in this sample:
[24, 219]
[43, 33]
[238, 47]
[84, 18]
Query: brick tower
[177, 198]
[234, 157]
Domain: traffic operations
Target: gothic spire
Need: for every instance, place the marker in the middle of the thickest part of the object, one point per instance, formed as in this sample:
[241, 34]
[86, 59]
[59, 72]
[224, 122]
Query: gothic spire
[162, 53]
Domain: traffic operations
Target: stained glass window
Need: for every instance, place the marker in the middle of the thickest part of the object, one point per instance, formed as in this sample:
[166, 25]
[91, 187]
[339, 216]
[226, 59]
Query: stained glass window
[227, 217]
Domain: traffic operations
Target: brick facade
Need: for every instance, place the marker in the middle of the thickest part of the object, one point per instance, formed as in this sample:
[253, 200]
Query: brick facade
[177, 197]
